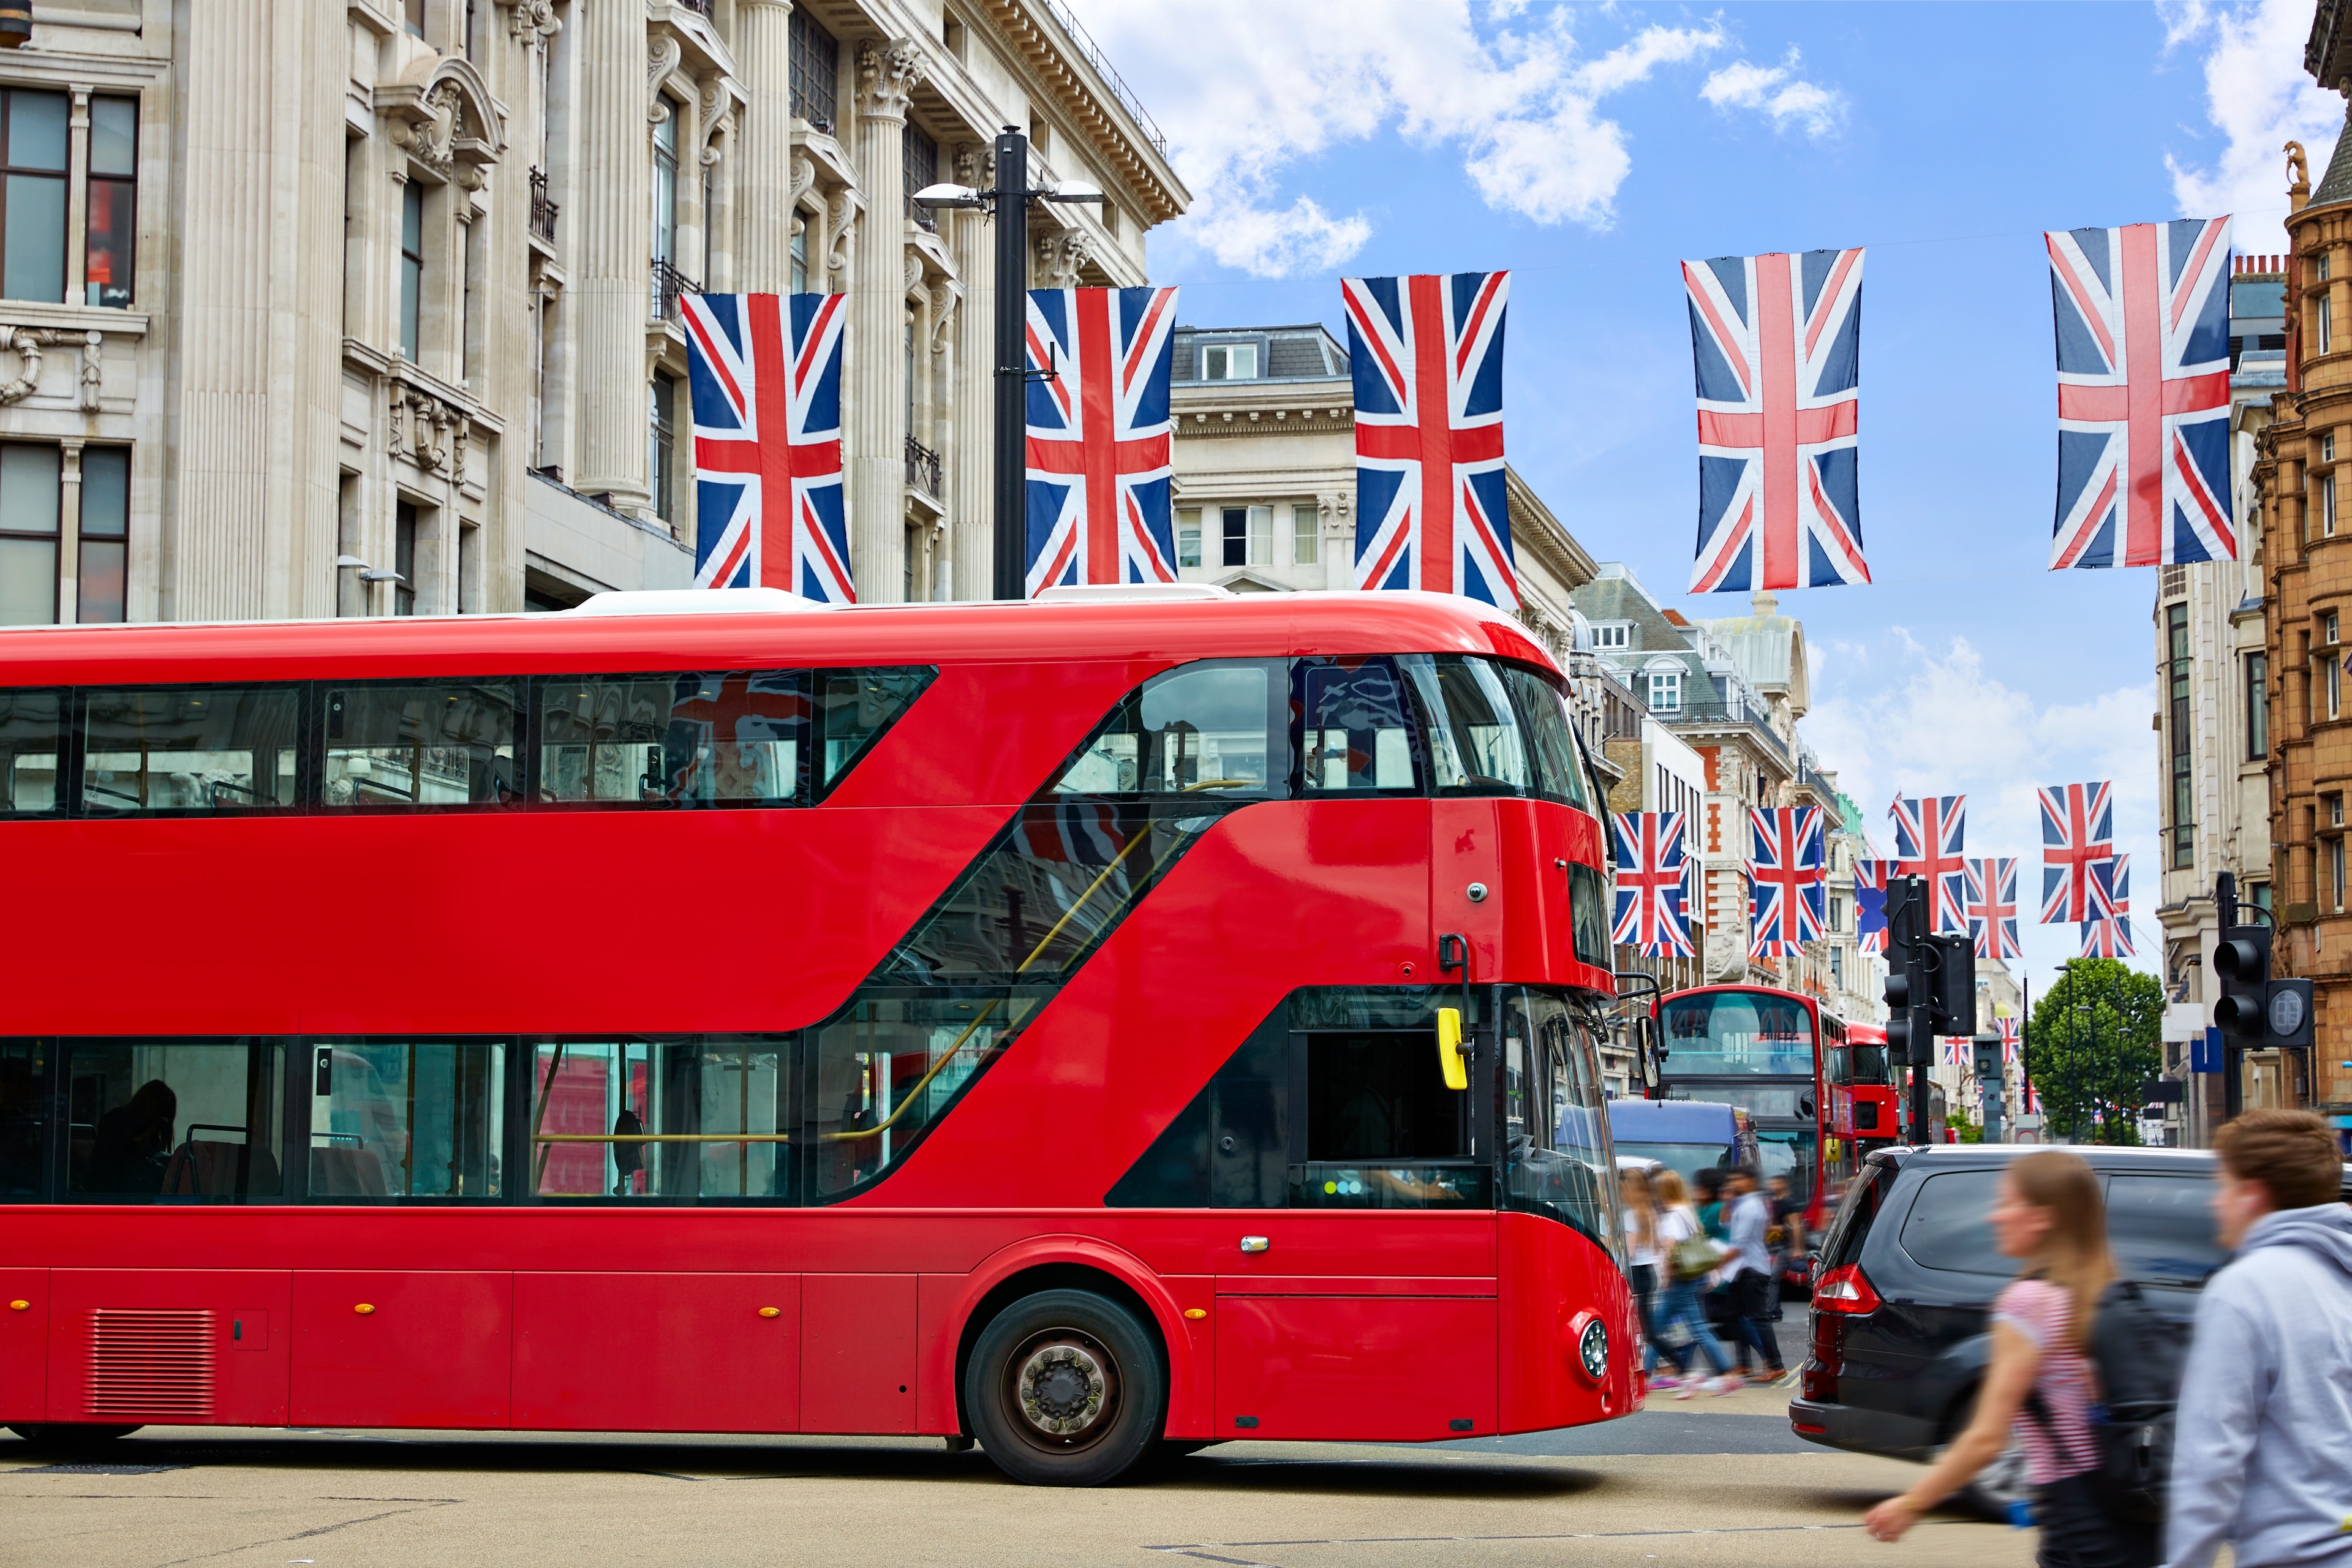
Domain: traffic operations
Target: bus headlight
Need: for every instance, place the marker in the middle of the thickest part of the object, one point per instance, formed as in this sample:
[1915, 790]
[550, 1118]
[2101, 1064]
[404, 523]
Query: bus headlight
[1589, 1341]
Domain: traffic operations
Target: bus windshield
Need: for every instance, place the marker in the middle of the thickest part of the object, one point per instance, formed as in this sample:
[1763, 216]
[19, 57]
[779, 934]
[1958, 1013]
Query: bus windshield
[1787, 1152]
[1870, 1064]
[1709, 1032]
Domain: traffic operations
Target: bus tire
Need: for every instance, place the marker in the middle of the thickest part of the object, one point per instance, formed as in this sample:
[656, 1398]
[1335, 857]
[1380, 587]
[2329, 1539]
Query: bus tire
[64, 1435]
[1065, 1388]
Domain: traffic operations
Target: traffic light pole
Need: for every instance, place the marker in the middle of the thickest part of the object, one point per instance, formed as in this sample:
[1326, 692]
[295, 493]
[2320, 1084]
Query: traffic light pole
[1011, 203]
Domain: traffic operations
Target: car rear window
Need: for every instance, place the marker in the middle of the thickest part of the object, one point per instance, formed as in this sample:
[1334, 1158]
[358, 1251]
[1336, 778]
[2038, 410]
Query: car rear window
[2161, 1230]
[1948, 1226]
[1864, 1198]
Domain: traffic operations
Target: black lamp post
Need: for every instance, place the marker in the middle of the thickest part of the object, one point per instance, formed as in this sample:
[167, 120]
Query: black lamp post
[1008, 204]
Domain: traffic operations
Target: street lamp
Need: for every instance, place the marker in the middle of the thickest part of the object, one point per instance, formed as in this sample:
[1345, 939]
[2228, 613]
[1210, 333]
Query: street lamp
[1008, 204]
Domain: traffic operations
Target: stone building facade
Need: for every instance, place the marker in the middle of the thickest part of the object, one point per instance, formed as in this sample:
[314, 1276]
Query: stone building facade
[372, 306]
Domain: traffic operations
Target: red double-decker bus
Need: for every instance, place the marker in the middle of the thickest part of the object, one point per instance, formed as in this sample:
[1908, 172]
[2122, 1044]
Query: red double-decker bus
[1766, 1051]
[1861, 1108]
[1137, 1019]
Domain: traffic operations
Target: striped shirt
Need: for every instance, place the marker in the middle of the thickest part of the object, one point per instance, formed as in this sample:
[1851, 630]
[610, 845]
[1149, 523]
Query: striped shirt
[2060, 1442]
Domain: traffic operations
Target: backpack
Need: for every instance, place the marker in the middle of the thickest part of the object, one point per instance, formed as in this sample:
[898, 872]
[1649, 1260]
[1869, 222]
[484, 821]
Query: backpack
[2139, 1353]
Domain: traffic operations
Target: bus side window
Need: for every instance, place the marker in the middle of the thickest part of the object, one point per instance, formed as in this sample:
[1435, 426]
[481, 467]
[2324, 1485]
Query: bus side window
[853, 707]
[192, 748]
[1199, 728]
[1477, 746]
[420, 743]
[400, 1120]
[1356, 731]
[32, 739]
[170, 1120]
[605, 738]
[1382, 1131]
[734, 737]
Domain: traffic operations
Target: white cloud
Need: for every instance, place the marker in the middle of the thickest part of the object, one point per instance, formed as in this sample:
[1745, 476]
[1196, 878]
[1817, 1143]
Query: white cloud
[1779, 93]
[1248, 92]
[2258, 98]
[1913, 721]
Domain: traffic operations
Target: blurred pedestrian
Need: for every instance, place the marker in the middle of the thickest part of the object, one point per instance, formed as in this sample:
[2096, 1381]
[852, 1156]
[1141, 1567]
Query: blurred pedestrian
[1709, 1183]
[2050, 1216]
[2260, 1457]
[1687, 1259]
[1640, 1208]
[1749, 1271]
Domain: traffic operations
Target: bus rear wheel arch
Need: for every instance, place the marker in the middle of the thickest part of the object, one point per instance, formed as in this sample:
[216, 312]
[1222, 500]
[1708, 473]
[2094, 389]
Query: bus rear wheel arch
[1066, 1387]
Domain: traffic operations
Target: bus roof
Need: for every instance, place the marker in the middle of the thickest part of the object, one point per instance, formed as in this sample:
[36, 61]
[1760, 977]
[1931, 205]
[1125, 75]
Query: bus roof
[1160, 631]
[1672, 1121]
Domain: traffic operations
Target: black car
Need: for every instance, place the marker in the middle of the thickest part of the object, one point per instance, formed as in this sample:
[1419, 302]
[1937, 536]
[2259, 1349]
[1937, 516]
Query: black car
[1906, 1274]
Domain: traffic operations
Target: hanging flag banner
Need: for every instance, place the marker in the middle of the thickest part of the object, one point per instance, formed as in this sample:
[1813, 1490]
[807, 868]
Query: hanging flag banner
[1929, 834]
[2007, 1027]
[2143, 328]
[1651, 874]
[1870, 905]
[2078, 832]
[1776, 346]
[764, 371]
[2108, 934]
[1993, 907]
[1426, 352]
[1099, 487]
[1787, 878]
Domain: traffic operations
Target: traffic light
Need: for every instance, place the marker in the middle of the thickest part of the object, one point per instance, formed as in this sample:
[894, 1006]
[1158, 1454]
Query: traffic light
[2242, 963]
[1898, 1017]
[2286, 1012]
[1953, 984]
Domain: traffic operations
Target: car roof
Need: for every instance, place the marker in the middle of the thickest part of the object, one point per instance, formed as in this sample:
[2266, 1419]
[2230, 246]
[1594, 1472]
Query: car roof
[2102, 1156]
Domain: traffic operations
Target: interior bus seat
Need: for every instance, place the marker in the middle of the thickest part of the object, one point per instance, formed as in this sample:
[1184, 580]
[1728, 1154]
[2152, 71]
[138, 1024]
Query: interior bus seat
[339, 1172]
[211, 1168]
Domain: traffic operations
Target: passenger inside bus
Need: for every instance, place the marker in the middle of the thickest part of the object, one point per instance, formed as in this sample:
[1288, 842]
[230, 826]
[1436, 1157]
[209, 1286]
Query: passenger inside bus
[132, 1143]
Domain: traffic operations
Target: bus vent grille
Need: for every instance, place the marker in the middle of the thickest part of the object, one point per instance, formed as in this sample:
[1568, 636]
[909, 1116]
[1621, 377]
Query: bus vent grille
[151, 1365]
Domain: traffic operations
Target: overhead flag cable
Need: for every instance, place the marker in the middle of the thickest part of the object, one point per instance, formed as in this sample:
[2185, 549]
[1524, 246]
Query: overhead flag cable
[1929, 834]
[1787, 876]
[1776, 346]
[764, 374]
[2108, 934]
[1652, 873]
[2078, 832]
[1426, 353]
[1993, 907]
[1100, 362]
[2142, 318]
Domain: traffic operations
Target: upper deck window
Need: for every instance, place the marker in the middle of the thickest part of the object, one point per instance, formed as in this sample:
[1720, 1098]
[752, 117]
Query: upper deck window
[1201, 729]
[1737, 1032]
[442, 742]
[1477, 746]
[189, 749]
[32, 739]
[1357, 731]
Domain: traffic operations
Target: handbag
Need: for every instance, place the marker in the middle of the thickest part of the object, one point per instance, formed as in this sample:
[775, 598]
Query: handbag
[1694, 1257]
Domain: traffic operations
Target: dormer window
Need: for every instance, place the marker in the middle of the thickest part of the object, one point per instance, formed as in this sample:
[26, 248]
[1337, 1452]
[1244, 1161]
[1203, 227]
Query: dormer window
[1619, 634]
[1229, 361]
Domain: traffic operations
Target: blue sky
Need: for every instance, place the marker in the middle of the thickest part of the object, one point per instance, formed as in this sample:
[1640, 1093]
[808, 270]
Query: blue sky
[1590, 148]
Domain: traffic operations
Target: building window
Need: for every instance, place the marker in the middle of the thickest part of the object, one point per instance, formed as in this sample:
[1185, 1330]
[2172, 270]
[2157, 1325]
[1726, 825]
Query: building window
[29, 495]
[815, 73]
[1229, 361]
[920, 156]
[2327, 449]
[664, 464]
[33, 222]
[2335, 687]
[1248, 535]
[412, 265]
[2335, 811]
[1665, 692]
[665, 187]
[1837, 912]
[469, 570]
[403, 559]
[2324, 321]
[1188, 536]
[2184, 805]
[469, 327]
[1618, 636]
[1306, 536]
[1837, 967]
[2327, 506]
[2335, 872]
[2258, 707]
[112, 185]
[800, 257]
[414, 17]
[105, 535]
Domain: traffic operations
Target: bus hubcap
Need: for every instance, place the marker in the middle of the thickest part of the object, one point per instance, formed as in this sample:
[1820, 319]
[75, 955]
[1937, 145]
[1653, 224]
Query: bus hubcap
[1063, 1387]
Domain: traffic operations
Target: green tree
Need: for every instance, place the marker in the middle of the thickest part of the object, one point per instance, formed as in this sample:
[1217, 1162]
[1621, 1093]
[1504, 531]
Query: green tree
[2092, 1043]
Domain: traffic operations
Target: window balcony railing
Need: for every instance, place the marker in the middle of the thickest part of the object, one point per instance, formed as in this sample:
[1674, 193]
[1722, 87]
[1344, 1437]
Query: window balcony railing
[923, 467]
[542, 211]
[670, 285]
[700, 8]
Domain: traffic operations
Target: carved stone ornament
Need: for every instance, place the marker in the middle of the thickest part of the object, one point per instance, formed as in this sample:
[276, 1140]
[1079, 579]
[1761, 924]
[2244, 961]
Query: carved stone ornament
[944, 301]
[804, 181]
[975, 166]
[533, 22]
[28, 341]
[429, 131]
[717, 121]
[844, 238]
[430, 433]
[1060, 258]
[887, 75]
[2298, 169]
[660, 60]
[914, 275]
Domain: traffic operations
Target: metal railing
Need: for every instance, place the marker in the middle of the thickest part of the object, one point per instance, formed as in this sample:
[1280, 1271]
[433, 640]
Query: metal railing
[1118, 84]
[542, 211]
[700, 8]
[1704, 707]
[923, 467]
[670, 284]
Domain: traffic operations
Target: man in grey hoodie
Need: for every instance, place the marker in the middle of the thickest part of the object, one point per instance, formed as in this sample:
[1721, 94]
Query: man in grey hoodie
[2261, 1458]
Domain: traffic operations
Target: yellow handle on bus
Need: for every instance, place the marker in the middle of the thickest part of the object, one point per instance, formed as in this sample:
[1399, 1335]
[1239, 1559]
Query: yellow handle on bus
[1449, 1048]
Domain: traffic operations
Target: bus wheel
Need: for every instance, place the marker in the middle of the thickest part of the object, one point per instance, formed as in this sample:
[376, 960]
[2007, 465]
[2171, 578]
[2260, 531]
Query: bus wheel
[67, 1435]
[1065, 1389]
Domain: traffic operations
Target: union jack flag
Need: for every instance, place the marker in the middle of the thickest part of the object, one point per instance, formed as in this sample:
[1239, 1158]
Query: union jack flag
[1928, 834]
[1993, 907]
[2007, 1027]
[1776, 342]
[1651, 870]
[2108, 934]
[2077, 833]
[1870, 905]
[768, 507]
[2143, 326]
[1956, 1051]
[1098, 436]
[1427, 355]
[1787, 876]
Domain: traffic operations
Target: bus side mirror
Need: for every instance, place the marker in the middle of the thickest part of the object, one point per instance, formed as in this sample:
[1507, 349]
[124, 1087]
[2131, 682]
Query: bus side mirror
[1449, 1048]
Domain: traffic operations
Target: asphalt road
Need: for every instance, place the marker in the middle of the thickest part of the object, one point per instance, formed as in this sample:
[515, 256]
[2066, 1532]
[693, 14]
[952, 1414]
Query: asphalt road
[1707, 1481]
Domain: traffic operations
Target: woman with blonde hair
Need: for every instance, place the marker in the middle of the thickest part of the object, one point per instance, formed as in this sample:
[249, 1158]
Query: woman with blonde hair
[2050, 1216]
[1679, 1324]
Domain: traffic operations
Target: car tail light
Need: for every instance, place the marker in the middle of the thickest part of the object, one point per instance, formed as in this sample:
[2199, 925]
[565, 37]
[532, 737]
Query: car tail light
[1846, 1291]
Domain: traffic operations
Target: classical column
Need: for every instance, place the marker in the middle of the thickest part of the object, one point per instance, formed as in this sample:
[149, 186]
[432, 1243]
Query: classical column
[764, 148]
[971, 392]
[876, 398]
[611, 292]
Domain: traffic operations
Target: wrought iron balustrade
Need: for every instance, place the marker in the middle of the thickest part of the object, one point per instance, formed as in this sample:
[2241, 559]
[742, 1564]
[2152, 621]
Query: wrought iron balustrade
[923, 467]
[542, 211]
[670, 285]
